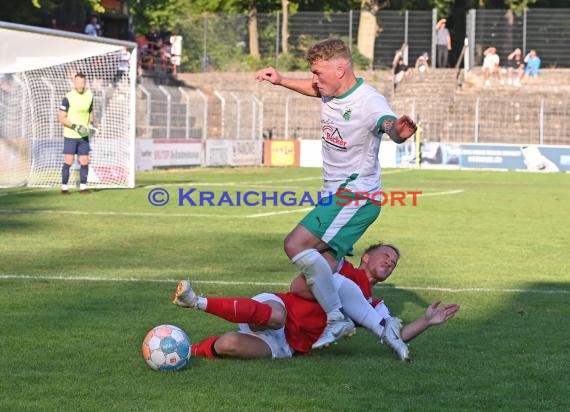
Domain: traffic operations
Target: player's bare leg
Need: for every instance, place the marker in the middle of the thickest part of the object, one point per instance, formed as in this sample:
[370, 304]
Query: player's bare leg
[67, 162]
[303, 247]
[83, 172]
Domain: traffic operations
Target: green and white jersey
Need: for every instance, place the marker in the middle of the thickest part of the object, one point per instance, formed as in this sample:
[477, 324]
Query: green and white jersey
[351, 135]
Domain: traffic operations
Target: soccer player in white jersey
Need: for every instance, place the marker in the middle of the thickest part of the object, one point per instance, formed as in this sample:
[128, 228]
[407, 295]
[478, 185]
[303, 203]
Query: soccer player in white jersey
[354, 116]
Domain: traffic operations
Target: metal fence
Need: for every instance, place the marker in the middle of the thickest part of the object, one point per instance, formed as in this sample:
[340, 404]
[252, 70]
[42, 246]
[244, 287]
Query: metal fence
[504, 117]
[456, 118]
[491, 119]
[213, 41]
[168, 112]
[545, 30]
[221, 41]
[233, 115]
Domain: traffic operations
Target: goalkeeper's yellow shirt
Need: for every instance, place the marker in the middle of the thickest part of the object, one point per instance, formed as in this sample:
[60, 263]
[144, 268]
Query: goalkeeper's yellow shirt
[78, 106]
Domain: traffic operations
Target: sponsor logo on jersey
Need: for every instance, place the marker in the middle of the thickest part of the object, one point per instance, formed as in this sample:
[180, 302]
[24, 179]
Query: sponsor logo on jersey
[331, 136]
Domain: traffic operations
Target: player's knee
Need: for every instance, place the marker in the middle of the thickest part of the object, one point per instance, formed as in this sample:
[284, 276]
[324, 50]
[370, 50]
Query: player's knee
[295, 243]
[290, 246]
[227, 345]
[277, 318]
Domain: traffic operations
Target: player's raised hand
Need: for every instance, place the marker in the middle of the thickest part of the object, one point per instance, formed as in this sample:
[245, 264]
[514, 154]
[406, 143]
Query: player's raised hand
[405, 127]
[437, 313]
[268, 74]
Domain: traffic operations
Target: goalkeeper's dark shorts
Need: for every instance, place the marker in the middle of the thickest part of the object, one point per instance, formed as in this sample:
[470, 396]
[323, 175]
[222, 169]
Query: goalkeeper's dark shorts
[76, 146]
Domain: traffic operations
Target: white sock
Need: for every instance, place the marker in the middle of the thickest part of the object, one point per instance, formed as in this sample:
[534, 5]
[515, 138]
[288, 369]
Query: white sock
[356, 307]
[202, 303]
[319, 278]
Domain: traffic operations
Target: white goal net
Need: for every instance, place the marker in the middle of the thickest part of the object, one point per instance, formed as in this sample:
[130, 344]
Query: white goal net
[37, 67]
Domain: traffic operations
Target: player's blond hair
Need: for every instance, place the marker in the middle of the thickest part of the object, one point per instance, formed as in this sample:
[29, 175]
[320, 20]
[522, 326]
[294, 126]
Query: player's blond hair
[327, 50]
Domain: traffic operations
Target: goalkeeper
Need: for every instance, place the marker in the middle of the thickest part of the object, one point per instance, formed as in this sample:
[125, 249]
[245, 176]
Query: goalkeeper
[76, 115]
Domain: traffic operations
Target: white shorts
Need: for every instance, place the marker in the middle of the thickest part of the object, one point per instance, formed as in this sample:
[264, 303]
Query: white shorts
[274, 338]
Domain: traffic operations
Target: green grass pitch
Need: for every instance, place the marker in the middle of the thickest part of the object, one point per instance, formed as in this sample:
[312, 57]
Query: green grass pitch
[83, 278]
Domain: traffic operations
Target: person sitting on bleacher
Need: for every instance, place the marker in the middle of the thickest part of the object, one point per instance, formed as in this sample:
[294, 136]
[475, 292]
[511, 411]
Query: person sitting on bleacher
[401, 70]
[152, 38]
[515, 67]
[422, 64]
[532, 64]
[491, 65]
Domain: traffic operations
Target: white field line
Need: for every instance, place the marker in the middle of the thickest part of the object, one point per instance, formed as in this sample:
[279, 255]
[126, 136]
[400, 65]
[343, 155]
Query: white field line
[283, 212]
[143, 214]
[28, 191]
[447, 192]
[99, 213]
[256, 183]
[284, 284]
[223, 184]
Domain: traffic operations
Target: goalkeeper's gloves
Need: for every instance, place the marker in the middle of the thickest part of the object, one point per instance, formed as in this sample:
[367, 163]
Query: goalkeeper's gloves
[82, 130]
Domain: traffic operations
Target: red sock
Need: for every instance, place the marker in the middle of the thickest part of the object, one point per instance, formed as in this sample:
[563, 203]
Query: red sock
[205, 348]
[239, 310]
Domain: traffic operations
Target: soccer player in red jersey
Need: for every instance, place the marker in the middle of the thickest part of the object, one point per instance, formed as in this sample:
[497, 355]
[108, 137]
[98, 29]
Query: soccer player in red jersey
[278, 325]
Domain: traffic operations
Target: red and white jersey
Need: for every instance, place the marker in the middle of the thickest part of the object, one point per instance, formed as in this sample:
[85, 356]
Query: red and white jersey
[306, 319]
[351, 138]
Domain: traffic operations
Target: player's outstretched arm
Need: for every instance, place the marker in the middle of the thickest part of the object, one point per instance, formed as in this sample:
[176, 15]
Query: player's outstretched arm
[436, 314]
[303, 86]
[400, 129]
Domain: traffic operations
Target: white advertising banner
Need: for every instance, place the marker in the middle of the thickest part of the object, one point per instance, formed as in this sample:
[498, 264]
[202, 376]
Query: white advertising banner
[226, 152]
[144, 154]
[247, 152]
[168, 152]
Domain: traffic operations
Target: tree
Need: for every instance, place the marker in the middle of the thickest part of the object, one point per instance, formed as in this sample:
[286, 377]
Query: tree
[285, 26]
[96, 5]
[368, 28]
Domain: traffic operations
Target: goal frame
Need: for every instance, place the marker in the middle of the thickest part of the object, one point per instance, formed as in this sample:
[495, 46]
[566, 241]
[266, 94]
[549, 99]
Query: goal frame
[59, 34]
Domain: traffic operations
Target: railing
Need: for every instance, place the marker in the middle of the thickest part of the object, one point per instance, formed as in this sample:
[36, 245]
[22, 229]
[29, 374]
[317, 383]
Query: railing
[492, 119]
[218, 42]
[170, 112]
[488, 115]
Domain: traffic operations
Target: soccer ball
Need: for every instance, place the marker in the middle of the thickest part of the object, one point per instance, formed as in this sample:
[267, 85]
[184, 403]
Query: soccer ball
[166, 348]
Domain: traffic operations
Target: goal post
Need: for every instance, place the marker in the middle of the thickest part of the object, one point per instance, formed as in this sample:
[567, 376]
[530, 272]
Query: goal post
[37, 67]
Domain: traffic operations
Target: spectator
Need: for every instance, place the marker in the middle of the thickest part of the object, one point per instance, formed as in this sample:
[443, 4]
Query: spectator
[491, 65]
[93, 28]
[401, 69]
[443, 43]
[5, 82]
[515, 67]
[165, 51]
[165, 34]
[532, 64]
[422, 63]
[152, 38]
[123, 59]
